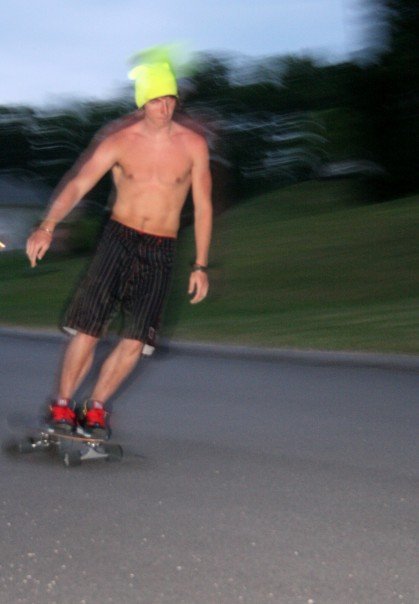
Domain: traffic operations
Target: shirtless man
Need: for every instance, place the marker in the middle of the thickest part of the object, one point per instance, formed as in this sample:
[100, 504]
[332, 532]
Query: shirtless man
[154, 161]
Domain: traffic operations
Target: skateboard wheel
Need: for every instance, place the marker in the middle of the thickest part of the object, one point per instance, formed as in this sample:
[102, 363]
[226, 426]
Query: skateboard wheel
[72, 458]
[114, 452]
[26, 445]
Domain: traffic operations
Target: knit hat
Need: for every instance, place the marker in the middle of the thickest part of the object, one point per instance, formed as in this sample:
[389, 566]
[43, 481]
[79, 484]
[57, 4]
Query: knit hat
[155, 71]
[153, 80]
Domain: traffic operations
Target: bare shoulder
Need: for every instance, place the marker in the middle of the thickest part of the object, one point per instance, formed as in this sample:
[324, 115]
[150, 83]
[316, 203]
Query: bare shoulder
[113, 133]
[193, 141]
[118, 126]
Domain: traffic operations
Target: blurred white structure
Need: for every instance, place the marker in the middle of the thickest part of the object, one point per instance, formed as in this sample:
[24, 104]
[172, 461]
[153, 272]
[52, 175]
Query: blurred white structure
[21, 206]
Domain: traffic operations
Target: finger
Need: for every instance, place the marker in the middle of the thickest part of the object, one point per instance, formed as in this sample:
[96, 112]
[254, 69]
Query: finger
[31, 251]
[41, 252]
[37, 252]
[193, 284]
[31, 255]
[201, 293]
[28, 247]
[194, 290]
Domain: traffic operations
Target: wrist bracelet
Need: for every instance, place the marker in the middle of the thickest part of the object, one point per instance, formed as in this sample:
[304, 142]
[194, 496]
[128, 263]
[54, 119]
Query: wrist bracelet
[198, 267]
[45, 229]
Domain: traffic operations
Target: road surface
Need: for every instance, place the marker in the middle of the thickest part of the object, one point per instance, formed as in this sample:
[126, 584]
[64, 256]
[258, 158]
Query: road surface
[245, 481]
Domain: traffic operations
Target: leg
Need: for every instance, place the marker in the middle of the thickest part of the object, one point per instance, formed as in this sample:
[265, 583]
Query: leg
[116, 368]
[77, 361]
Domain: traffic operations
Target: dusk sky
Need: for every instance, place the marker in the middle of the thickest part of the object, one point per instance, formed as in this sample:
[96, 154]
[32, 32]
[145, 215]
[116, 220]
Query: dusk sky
[54, 50]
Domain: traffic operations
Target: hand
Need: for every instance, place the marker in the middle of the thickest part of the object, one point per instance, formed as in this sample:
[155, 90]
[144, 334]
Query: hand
[198, 286]
[37, 246]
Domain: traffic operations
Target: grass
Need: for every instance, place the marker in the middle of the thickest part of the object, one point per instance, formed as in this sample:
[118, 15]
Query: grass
[304, 267]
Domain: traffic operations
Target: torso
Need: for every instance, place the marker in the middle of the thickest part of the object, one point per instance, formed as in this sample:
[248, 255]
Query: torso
[152, 177]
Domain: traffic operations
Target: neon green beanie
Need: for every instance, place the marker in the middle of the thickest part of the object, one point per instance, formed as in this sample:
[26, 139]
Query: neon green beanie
[152, 81]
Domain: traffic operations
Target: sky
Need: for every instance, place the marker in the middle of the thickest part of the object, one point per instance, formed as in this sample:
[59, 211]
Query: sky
[58, 50]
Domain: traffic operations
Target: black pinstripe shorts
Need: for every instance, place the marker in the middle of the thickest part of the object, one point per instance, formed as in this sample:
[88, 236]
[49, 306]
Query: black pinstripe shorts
[130, 272]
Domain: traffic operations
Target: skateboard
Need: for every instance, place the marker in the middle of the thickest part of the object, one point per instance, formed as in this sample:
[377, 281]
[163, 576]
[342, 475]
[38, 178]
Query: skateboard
[73, 449]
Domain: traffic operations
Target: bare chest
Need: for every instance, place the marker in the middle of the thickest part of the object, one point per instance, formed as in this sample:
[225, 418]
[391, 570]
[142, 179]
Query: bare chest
[165, 163]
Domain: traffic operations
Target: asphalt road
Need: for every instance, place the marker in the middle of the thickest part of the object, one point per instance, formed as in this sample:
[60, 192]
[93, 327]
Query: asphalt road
[245, 481]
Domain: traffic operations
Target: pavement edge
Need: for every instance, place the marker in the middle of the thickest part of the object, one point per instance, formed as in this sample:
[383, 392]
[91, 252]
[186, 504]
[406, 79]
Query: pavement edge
[402, 362]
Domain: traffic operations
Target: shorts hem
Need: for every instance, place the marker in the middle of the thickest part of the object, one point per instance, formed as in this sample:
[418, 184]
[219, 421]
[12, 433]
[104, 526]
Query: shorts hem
[128, 336]
[73, 331]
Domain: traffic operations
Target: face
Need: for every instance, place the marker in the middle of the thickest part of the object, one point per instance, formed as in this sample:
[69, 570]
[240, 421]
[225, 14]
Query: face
[160, 110]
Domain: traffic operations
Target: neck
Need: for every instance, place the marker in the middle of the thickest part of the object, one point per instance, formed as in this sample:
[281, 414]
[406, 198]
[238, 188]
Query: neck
[157, 129]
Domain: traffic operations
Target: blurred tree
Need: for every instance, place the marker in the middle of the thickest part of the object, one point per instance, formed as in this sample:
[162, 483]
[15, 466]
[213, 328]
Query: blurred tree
[263, 115]
[15, 152]
[58, 139]
[269, 122]
[264, 120]
[212, 78]
[386, 94]
[46, 143]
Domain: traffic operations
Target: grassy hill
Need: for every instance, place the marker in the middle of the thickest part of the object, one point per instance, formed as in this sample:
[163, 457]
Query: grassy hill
[304, 267]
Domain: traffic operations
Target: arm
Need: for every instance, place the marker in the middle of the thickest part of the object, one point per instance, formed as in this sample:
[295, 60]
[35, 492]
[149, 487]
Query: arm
[201, 193]
[86, 172]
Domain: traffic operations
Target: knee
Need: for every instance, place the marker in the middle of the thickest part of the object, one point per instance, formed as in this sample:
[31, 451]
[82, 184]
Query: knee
[84, 341]
[132, 347]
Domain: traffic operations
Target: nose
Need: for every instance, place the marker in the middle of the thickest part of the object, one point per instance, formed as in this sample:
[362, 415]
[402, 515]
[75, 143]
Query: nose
[165, 106]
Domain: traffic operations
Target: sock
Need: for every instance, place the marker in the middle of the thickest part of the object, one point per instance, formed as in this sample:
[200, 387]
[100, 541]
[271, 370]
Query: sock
[62, 402]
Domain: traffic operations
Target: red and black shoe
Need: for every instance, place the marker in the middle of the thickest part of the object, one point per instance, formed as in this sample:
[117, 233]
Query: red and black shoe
[93, 420]
[62, 417]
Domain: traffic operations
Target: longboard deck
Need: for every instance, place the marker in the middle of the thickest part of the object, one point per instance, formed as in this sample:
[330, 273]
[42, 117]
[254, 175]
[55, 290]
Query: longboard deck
[72, 448]
[73, 437]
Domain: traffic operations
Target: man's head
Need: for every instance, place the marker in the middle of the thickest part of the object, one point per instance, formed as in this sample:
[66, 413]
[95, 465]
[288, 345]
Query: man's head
[153, 81]
[159, 111]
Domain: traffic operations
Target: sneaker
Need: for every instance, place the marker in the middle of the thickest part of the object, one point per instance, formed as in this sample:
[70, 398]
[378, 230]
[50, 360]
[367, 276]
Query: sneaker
[62, 416]
[93, 420]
